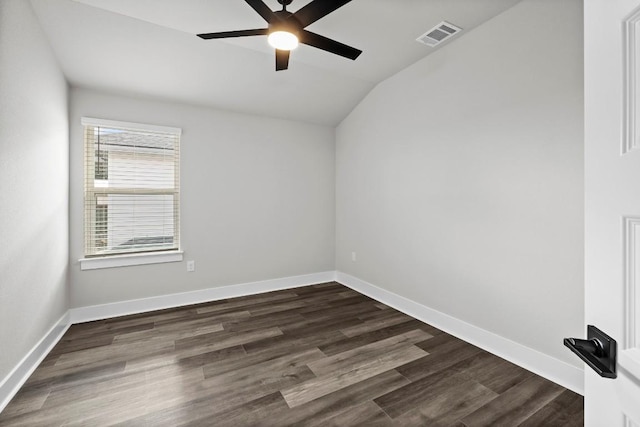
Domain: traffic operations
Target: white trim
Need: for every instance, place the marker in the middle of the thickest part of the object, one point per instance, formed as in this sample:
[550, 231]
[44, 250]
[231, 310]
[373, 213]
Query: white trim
[89, 121]
[123, 308]
[628, 386]
[546, 366]
[629, 143]
[631, 226]
[23, 370]
[127, 260]
[630, 67]
[630, 360]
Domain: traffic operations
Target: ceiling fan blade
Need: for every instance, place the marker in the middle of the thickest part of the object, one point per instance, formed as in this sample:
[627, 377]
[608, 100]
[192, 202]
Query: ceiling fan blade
[317, 9]
[282, 59]
[324, 43]
[241, 33]
[262, 9]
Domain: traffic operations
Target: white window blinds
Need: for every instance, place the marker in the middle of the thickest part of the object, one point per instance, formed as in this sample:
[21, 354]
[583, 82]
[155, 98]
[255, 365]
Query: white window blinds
[132, 187]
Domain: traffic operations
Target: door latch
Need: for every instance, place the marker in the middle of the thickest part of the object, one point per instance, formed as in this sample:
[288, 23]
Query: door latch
[598, 351]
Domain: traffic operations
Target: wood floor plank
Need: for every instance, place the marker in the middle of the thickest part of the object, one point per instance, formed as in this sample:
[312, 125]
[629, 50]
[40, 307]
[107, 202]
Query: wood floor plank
[145, 318]
[374, 325]
[351, 359]
[245, 303]
[107, 403]
[114, 353]
[380, 314]
[348, 294]
[213, 317]
[341, 309]
[367, 338]
[328, 383]
[193, 328]
[320, 355]
[167, 375]
[438, 399]
[566, 410]
[516, 405]
[440, 358]
[258, 412]
[290, 340]
[27, 400]
[492, 371]
[317, 411]
[263, 370]
[219, 394]
[74, 344]
[89, 330]
[211, 357]
[170, 325]
[309, 328]
[208, 406]
[280, 319]
[245, 360]
[226, 393]
[442, 343]
[365, 414]
[199, 345]
[276, 307]
[223, 339]
[53, 376]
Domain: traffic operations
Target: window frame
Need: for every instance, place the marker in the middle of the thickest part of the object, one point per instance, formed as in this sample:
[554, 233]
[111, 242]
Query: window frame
[153, 256]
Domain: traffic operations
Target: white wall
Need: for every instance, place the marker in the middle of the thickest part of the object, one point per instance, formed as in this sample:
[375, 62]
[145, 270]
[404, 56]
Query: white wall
[257, 199]
[459, 180]
[34, 185]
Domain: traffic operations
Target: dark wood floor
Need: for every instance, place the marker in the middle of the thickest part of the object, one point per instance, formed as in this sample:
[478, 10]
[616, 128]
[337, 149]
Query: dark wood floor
[319, 355]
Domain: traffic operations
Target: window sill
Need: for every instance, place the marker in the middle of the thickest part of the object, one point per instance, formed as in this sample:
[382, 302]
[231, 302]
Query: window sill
[130, 259]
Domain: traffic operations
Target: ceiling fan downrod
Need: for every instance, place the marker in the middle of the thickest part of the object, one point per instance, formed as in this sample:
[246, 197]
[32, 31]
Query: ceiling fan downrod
[284, 4]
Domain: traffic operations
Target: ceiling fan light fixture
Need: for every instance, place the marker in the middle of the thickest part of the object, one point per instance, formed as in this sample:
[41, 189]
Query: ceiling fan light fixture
[286, 29]
[283, 40]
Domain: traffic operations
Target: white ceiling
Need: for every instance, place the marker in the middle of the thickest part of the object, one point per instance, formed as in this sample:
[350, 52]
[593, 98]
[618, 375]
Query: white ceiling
[149, 48]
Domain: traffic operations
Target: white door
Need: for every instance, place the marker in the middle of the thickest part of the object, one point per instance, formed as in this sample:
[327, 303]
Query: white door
[612, 203]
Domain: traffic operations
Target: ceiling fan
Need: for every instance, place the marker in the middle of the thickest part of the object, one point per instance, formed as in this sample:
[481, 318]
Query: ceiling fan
[287, 29]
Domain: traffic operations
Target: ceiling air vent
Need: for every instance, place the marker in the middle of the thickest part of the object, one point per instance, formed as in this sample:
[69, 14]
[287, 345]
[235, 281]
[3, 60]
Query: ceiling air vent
[438, 34]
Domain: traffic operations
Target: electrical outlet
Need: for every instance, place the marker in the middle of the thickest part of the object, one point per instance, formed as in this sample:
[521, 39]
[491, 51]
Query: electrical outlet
[353, 256]
[191, 266]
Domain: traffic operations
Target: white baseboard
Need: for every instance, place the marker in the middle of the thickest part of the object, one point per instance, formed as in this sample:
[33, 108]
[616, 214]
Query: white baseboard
[19, 375]
[123, 308]
[546, 366]
[539, 363]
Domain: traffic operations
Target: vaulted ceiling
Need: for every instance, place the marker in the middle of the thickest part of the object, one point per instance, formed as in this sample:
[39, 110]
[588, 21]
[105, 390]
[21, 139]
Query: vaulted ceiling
[149, 48]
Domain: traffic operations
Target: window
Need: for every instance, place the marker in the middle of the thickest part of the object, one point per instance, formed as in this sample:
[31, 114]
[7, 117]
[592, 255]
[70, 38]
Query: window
[132, 188]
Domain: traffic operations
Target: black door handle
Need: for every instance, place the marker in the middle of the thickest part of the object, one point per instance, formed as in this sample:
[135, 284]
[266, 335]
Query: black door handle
[598, 351]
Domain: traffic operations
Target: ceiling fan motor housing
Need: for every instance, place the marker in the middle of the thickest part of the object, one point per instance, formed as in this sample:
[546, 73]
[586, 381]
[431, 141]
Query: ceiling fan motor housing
[285, 22]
